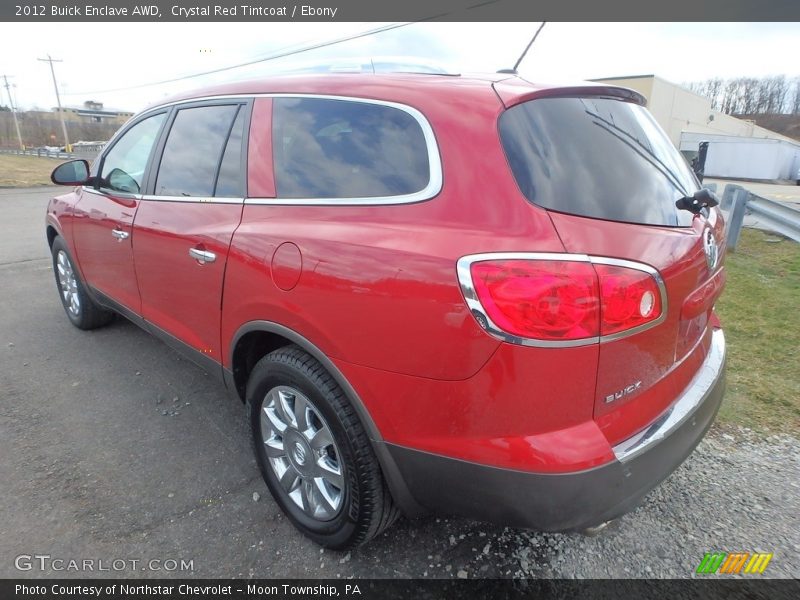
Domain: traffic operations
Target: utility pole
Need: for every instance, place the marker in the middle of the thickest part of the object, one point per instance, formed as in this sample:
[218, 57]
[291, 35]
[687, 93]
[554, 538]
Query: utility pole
[13, 111]
[58, 98]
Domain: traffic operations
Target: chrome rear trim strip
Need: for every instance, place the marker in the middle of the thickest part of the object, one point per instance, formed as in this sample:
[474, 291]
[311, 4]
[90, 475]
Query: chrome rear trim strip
[683, 408]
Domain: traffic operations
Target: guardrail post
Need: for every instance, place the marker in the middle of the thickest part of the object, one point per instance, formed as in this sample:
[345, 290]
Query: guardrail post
[739, 198]
[727, 196]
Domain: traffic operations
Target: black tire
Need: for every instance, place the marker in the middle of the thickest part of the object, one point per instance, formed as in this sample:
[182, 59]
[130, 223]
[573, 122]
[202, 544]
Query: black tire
[366, 507]
[86, 313]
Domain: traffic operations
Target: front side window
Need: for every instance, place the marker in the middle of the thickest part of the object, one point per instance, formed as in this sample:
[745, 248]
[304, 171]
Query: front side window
[193, 151]
[327, 148]
[124, 165]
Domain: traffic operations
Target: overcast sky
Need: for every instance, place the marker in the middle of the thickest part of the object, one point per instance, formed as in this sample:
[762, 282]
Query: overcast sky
[108, 56]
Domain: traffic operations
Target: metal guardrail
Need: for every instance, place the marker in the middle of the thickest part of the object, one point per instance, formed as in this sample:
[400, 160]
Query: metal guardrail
[769, 214]
[41, 153]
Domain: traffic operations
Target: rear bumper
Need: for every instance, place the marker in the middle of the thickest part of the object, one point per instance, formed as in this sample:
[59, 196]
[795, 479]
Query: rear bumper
[567, 501]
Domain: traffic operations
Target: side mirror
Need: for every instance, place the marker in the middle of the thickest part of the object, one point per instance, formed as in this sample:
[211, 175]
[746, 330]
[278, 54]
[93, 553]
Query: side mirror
[698, 201]
[74, 172]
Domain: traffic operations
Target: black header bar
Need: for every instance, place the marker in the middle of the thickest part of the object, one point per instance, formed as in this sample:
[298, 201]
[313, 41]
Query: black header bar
[398, 10]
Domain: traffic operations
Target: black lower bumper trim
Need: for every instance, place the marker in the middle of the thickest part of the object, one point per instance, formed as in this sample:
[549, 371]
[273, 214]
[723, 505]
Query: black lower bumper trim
[551, 502]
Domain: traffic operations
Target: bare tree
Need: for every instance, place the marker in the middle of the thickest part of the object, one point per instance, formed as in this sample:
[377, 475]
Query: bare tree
[794, 105]
[751, 95]
[714, 92]
[779, 93]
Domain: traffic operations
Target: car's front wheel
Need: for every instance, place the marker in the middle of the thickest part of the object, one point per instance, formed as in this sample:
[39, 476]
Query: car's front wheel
[313, 451]
[82, 311]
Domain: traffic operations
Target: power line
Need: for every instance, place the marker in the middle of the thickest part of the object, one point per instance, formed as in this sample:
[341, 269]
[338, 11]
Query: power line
[13, 110]
[283, 53]
[51, 60]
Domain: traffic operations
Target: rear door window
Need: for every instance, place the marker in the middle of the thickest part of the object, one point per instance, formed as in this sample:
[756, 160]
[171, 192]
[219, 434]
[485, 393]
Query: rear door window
[230, 181]
[193, 151]
[340, 149]
[596, 157]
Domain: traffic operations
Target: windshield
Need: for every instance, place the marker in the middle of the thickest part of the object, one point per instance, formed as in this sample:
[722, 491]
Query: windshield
[596, 157]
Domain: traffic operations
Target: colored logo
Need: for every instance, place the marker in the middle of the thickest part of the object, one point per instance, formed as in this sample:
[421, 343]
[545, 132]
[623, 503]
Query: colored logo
[734, 562]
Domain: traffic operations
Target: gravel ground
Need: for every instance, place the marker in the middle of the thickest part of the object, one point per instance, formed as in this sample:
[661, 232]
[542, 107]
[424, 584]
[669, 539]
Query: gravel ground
[737, 492]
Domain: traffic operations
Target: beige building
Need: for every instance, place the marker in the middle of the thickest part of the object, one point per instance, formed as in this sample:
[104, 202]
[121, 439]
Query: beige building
[93, 112]
[737, 148]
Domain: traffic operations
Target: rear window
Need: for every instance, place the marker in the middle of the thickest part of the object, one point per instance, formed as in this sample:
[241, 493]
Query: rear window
[326, 148]
[596, 157]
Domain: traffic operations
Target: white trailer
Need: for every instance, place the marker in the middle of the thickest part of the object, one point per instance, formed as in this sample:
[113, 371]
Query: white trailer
[739, 157]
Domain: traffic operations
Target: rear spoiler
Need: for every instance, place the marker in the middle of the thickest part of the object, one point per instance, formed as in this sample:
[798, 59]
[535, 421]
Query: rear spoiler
[515, 90]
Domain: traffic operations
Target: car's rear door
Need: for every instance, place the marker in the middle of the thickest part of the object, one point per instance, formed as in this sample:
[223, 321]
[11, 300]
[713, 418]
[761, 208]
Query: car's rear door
[104, 213]
[610, 179]
[185, 222]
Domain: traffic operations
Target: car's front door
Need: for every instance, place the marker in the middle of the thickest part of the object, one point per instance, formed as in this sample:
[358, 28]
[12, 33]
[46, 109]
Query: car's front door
[184, 226]
[104, 213]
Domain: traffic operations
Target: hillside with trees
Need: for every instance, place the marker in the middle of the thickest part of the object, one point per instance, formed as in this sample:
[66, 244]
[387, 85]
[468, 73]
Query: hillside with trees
[772, 102]
[41, 128]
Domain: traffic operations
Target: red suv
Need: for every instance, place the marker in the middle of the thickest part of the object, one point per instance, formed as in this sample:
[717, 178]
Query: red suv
[471, 295]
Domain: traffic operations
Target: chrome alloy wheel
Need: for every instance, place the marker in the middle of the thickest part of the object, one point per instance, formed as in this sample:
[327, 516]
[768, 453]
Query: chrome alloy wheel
[302, 453]
[68, 284]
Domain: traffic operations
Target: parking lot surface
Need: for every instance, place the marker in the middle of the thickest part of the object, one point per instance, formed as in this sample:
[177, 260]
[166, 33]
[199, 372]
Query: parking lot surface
[113, 447]
[786, 194]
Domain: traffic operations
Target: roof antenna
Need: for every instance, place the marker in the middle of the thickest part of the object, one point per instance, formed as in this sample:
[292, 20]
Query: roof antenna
[513, 70]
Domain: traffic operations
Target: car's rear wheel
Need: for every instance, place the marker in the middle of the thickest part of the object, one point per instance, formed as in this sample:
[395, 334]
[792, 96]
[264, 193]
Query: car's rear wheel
[313, 451]
[82, 311]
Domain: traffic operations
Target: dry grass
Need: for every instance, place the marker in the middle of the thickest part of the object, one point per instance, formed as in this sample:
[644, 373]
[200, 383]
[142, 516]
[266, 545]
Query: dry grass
[760, 312]
[25, 171]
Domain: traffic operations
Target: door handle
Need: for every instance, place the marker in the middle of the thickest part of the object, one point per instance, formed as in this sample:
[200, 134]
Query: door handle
[119, 234]
[202, 256]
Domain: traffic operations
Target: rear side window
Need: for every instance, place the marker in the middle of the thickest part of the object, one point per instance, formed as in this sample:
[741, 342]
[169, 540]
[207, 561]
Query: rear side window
[596, 157]
[339, 149]
[192, 154]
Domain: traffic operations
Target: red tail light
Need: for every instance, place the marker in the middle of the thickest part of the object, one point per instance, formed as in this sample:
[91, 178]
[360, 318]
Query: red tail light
[560, 300]
[551, 300]
[628, 298]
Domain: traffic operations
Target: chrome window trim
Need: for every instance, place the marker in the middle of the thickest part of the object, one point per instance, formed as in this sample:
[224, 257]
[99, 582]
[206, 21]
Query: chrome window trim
[197, 199]
[473, 303]
[105, 192]
[435, 172]
[194, 199]
[152, 198]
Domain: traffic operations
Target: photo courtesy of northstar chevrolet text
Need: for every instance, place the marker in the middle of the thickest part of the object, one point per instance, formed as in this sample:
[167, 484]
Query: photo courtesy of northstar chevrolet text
[419, 294]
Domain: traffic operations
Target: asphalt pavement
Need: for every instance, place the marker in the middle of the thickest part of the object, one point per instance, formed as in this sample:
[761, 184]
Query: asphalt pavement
[786, 194]
[114, 448]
